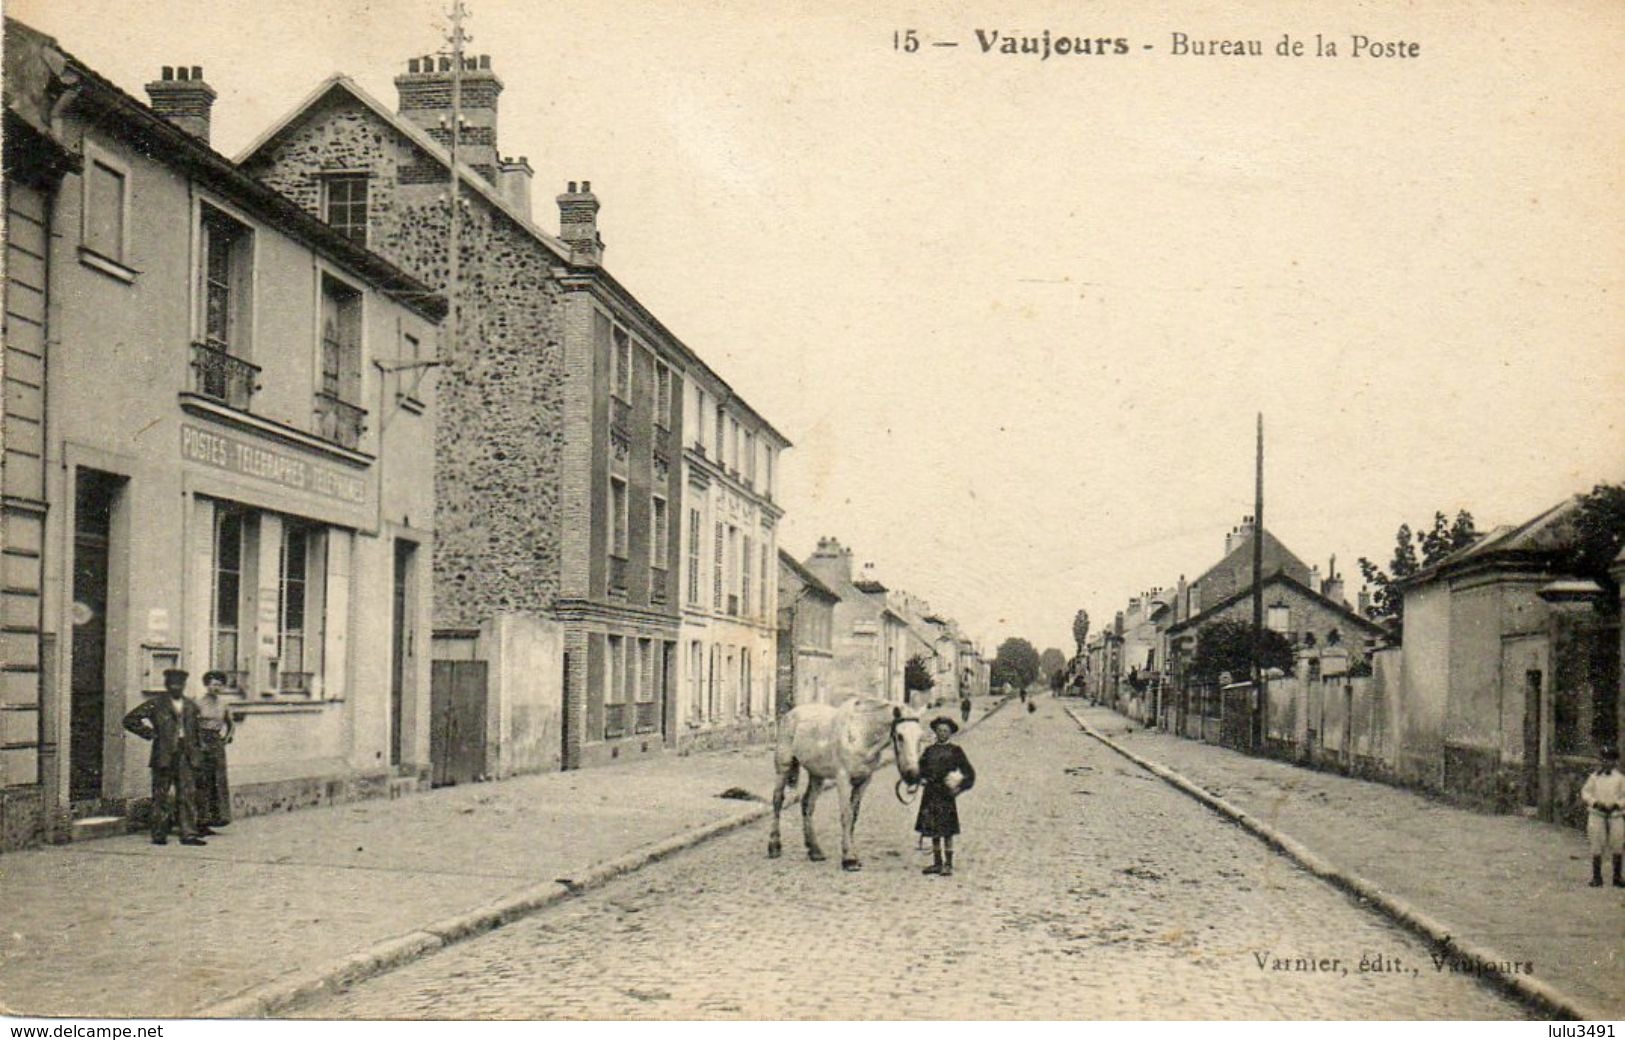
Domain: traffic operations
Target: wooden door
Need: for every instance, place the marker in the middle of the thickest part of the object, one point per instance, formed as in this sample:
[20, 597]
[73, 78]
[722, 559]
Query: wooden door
[457, 713]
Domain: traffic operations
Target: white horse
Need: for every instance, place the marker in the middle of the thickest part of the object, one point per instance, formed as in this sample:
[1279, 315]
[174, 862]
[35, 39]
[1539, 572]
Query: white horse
[842, 743]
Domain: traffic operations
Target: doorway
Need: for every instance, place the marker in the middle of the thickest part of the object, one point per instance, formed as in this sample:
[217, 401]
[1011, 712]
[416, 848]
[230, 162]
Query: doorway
[402, 647]
[1531, 736]
[95, 494]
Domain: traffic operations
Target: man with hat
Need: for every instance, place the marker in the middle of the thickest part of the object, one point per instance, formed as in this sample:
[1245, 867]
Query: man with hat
[945, 773]
[1604, 798]
[170, 721]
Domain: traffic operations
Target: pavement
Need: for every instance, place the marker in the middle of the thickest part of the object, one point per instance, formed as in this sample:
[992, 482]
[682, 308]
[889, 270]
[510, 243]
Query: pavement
[278, 907]
[1504, 889]
[1084, 888]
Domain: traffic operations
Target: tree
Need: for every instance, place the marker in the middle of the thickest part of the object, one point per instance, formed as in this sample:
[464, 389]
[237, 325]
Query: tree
[916, 675]
[1016, 663]
[1080, 629]
[1051, 661]
[1226, 645]
[1444, 538]
[1599, 529]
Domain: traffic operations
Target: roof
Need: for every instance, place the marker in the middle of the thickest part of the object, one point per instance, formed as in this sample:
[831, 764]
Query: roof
[1280, 578]
[473, 180]
[807, 577]
[1534, 541]
[1274, 549]
[167, 143]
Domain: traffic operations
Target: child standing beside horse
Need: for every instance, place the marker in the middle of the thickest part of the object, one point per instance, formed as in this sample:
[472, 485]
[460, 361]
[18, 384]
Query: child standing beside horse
[946, 773]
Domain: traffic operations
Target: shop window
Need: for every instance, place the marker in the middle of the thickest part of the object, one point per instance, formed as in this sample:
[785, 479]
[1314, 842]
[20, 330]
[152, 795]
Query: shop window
[298, 623]
[344, 205]
[225, 630]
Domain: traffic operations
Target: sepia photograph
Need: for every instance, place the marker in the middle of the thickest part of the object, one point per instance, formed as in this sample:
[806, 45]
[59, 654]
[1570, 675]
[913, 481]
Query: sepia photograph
[639, 512]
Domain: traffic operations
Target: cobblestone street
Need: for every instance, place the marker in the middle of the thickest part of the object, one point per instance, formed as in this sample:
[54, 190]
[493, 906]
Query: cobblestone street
[1085, 888]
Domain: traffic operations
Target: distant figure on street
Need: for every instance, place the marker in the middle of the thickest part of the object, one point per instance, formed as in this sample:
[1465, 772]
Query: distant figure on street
[170, 721]
[1024, 695]
[216, 728]
[964, 708]
[1604, 797]
[945, 774]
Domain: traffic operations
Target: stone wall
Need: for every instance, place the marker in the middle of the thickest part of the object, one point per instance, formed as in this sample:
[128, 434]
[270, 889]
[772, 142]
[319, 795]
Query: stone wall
[501, 387]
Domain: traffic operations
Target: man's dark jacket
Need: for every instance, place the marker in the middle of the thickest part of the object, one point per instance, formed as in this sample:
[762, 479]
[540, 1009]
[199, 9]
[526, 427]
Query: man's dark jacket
[153, 719]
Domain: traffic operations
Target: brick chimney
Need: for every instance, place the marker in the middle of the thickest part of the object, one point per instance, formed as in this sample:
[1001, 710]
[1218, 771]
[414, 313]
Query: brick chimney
[831, 562]
[513, 181]
[578, 225]
[181, 97]
[425, 98]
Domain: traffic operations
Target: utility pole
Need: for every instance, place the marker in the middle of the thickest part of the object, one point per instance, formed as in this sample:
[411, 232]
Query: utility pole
[457, 39]
[1258, 590]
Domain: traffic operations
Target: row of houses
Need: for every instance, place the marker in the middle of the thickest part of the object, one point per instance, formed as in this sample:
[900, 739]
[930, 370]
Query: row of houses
[842, 633]
[1498, 689]
[245, 431]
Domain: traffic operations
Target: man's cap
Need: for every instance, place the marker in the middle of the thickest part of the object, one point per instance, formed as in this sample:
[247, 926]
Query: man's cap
[216, 676]
[175, 675]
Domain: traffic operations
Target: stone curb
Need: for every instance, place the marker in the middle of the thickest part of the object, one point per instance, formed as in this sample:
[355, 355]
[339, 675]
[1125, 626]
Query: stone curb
[1541, 996]
[267, 999]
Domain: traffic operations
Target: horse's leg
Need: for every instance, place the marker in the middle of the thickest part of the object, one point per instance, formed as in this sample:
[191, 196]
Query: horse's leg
[815, 787]
[851, 857]
[774, 848]
[845, 790]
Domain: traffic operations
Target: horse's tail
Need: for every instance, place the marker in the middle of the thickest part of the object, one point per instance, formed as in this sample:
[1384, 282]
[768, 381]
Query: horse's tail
[792, 776]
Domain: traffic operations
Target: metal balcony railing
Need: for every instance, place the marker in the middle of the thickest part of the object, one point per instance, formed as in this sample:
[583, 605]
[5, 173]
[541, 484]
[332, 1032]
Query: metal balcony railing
[229, 380]
[657, 585]
[647, 719]
[662, 440]
[733, 605]
[617, 575]
[620, 415]
[614, 721]
[339, 421]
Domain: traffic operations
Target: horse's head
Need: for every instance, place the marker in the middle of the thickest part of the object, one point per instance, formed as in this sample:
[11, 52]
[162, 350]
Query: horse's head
[906, 737]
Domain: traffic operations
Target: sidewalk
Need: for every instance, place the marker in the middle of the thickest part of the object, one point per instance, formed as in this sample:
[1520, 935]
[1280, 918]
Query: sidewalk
[121, 927]
[1501, 883]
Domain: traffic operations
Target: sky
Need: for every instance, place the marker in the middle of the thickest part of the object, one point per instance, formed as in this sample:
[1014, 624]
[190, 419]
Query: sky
[1018, 315]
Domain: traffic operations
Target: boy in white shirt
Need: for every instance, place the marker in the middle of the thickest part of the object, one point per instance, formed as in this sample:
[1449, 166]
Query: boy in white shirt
[1604, 797]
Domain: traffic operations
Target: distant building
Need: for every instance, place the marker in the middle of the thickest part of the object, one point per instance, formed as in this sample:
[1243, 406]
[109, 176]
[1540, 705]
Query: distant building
[869, 638]
[806, 640]
[1511, 678]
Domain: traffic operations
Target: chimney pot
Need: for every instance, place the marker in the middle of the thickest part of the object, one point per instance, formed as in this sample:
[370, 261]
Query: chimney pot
[412, 65]
[485, 61]
[586, 186]
[181, 97]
